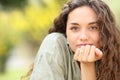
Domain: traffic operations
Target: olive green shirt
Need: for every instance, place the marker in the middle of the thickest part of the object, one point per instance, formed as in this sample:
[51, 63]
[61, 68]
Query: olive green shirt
[54, 60]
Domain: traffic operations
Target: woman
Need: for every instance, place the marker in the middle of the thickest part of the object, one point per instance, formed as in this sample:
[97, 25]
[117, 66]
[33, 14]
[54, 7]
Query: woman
[83, 45]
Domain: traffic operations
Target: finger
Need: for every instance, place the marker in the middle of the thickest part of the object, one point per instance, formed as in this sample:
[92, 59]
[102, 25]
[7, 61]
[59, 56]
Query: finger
[98, 54]
[82, 50]
[91, 56]
[86, 53]
[81, 53]
[76, 54]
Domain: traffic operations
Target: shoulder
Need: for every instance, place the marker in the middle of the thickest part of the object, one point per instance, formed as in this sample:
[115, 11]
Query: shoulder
[54, 37]
[50, 57]
[52, 42]
[52, 47]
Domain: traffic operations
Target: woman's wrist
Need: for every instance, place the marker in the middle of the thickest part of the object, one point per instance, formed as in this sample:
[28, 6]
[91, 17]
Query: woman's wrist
[88, 69]
[87, 64]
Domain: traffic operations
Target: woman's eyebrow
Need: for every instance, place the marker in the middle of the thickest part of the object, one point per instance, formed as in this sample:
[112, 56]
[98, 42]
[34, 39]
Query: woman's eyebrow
[94, 22]
[73, 23]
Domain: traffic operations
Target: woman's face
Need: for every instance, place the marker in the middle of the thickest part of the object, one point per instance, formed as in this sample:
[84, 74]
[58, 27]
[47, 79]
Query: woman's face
[82, 28]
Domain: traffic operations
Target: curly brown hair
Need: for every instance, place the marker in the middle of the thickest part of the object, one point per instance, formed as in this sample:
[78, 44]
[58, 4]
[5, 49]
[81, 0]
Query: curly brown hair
[109, 65]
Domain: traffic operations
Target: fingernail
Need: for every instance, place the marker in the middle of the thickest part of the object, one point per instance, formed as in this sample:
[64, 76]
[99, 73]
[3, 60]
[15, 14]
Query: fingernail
[98, 51]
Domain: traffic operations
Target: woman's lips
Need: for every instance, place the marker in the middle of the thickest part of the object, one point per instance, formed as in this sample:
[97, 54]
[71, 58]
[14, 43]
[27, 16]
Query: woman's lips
[79, 45]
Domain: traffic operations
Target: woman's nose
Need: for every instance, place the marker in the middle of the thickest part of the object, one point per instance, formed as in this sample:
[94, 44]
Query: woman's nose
[83, 35]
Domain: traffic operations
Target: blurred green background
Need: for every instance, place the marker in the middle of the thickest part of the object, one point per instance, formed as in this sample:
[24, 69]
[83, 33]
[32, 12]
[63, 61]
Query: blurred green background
[23, 25]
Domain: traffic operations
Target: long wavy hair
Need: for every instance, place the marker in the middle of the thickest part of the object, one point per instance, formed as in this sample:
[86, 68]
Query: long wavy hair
[109, 66]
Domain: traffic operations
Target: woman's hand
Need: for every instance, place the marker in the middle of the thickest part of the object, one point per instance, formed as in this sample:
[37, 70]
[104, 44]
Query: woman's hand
[88, 53]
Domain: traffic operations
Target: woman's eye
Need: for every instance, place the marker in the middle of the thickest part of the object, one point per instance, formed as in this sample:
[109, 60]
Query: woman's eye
[93, 28]
[74, 28]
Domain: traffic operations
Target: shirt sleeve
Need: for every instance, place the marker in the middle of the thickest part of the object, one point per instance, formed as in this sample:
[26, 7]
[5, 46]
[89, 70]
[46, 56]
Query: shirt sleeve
[49, 63]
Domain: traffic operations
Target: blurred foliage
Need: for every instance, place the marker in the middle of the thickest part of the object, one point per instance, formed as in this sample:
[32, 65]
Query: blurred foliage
[30, 24]
[114, 5]
[13, 74]
[13, 3]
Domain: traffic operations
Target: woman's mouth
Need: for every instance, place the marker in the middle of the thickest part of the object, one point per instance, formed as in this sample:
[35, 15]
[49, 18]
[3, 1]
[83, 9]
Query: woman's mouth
[79, 45]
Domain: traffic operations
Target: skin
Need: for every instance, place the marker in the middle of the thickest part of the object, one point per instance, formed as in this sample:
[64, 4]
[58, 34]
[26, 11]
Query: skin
[83, 36]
